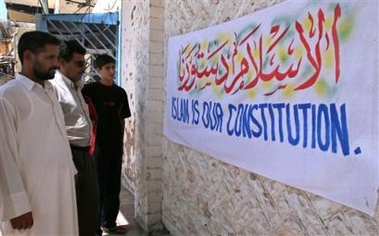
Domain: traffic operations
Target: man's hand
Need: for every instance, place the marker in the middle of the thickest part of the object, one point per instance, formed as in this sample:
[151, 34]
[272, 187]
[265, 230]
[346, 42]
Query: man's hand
[24, 221]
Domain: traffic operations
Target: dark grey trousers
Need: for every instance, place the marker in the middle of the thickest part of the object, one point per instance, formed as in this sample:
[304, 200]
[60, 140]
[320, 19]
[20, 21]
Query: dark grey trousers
[87, 194]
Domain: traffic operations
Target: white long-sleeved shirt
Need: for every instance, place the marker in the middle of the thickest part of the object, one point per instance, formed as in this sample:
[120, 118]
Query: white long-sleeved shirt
[75, 110]
[36, 168]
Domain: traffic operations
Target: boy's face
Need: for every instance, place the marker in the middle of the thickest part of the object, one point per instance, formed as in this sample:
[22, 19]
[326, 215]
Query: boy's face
[107, 72]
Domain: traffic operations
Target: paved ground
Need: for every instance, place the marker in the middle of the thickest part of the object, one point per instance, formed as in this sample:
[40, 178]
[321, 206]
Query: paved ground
[126, 217]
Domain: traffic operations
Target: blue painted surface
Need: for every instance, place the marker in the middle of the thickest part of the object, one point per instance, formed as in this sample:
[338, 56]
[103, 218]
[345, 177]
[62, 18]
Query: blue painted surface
[3, 11]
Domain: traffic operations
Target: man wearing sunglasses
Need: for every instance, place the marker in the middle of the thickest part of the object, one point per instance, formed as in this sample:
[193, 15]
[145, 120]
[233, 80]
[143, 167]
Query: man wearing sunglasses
[67, 84]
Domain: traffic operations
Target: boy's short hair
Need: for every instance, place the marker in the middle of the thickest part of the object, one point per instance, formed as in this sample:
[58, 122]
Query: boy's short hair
[103, 59]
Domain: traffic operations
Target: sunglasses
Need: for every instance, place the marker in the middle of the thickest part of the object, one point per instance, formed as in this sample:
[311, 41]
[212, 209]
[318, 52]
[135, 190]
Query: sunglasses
[80, 63]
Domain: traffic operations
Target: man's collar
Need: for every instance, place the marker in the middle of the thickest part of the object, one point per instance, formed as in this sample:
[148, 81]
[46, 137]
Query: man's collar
[70, 83]
[28, 83]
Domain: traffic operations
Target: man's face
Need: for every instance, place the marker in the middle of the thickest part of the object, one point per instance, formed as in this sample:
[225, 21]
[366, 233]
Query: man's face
[46, 62]
[73, 69]
[107, 72]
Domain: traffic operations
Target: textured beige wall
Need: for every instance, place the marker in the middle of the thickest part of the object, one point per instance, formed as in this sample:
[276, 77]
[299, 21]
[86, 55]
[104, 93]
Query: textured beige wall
[204, 196]
[134, 70]
[201, 195]
[142, 73]
[130, 75]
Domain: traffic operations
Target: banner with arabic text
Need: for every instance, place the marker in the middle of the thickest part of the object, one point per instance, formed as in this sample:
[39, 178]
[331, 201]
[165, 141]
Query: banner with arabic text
[289, 92]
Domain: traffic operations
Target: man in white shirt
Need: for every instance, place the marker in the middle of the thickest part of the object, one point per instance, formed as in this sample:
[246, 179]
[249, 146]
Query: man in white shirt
[67, 85]
[37, 186]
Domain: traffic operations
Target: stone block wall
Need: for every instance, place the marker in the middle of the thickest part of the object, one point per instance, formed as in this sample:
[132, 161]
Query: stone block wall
[189, 192]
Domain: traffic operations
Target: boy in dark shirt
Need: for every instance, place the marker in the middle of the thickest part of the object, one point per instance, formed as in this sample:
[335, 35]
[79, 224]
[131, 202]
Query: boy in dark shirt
[109, 107]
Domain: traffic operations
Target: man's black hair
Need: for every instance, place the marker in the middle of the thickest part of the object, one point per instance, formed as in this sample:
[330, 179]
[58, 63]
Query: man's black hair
[35, 41]
[68, 48]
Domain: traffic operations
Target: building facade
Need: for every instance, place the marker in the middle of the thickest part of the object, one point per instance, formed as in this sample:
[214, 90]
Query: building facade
[186, 191]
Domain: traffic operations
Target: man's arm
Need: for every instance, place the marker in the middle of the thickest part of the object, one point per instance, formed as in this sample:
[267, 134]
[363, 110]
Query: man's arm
[14, 201]
[24, 221]
[122, 126]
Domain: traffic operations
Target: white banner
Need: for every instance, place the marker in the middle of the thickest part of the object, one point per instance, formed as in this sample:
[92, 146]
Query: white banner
[289, 92]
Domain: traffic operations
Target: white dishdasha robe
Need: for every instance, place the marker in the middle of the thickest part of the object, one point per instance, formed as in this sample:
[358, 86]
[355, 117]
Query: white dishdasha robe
[36, 168]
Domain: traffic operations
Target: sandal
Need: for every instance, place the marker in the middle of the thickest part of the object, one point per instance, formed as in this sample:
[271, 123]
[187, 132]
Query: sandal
[114, 230]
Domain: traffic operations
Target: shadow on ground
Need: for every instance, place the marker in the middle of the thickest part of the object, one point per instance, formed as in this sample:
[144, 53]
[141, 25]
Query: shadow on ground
[126, 219]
